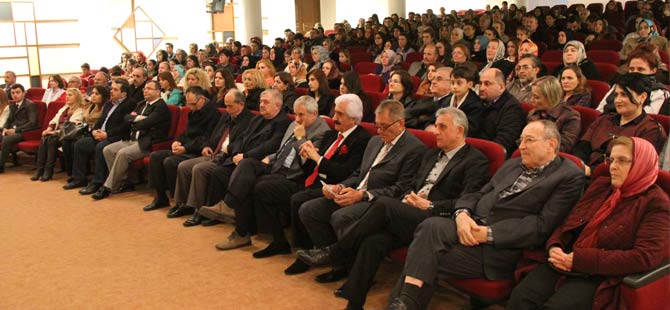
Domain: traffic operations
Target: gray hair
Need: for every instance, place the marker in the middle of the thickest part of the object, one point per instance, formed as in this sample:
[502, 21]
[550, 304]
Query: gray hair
[550, 132]
[394, 108]
[354, 106]
[308, 102]
[277, 97]
[459, 117]
[238, 96]
[536, 61]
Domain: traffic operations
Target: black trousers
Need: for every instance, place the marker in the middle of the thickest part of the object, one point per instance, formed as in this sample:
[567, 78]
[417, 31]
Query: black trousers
[218, 183]
[301, 237]
[84, 149]
[387, 225]
[538, 291]
[46, 153]
[163, 171]
[272, 200]
[68, 155]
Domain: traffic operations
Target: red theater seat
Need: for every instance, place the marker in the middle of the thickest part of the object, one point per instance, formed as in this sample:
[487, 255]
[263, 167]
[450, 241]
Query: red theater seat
[587, 115]
[32, 138]
[366, 67]
[35, 93]
[598, 91]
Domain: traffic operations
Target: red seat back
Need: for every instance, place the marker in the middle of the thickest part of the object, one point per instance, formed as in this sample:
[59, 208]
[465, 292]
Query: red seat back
[35, 93]
[664, 120]
[588, 115]
[371, 83]
[370, 127]
[428, 138]
[605, 56]
[598, 91]
[375, 98]
[329, 121]
[494, 152]
[359, 57]
[365, 67]
[51, 111]
[174, 114]
[607, 71]
[301, 91]
[182, 123]
[412, 57]
[552, 56]
[611, 45]
[551, 65]
[527, 107]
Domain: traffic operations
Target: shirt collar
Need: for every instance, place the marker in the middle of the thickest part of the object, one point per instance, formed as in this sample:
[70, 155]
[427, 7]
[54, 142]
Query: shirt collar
[617, 119]
[397, 138]
[453, 152]
[347, 132]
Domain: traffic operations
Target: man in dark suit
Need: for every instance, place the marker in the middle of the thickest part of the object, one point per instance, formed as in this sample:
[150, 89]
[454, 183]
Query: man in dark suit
[10, 80]
[228, 130]
[22, 118]
[389, 163]
[150, 123]
[139, 79]
[419, 113]
[518, 209]
[420, 68]
[163, 163]
[446, 173]
[283, 166]
[503, 117]
[332, 161]
[110, 128]
[262, 137]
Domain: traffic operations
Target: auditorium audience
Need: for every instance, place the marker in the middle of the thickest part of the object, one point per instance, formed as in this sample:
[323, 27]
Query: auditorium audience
[574, 53]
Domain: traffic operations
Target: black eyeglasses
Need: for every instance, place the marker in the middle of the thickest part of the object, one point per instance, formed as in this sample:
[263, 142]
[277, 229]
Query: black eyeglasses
[384, 128]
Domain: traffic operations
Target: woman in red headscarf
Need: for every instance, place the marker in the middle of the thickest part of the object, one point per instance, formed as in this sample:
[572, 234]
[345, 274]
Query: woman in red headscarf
[619, 227]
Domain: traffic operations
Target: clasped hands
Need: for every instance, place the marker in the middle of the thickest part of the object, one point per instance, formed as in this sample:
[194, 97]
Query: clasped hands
[418, 201]
[308, 150]
[560, 259]
[177, 148]
[469, 232]
[342, 196]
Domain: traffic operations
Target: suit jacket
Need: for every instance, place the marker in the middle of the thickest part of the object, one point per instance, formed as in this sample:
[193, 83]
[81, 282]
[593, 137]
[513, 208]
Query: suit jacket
[629, 240]
[136, 93]
[525, 219]
[346, 159]
[261, 138]
[473, 109]
[200, 123]
[466, 172]
[503, 121]
[415, 67]
[314, 133]
[117, 127]
[155, 127]
[393, 175]
[23, 118]
[420, 113]
[236, 125]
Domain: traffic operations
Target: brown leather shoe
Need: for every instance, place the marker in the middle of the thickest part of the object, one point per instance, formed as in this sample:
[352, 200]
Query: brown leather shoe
[220, 211]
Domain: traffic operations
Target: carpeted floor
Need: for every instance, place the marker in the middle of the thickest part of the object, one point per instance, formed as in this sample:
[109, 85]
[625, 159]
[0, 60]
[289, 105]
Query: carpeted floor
[61, 250]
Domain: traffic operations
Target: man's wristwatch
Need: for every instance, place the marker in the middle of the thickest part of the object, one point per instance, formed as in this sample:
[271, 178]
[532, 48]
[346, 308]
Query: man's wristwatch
[431, 206]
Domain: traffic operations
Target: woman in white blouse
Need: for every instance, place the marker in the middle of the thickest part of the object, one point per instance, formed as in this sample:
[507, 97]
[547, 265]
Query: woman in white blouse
[55, 90]
[4, 108]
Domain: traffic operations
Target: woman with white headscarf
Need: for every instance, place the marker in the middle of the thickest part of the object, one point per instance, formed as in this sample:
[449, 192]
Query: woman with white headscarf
[389, 60]
[574, 53]
[319, 55]
[495, 57]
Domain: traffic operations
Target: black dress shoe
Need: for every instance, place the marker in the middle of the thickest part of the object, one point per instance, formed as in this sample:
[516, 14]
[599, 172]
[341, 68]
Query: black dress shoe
[37, 175]
[210, 222]
[89, 189]
[102, 193]
[180, 210]
[154, 205]
[273, 249]
[297, 267]
[125, 187]
[194, 220]
[73, 184]
[315, 258]
[353, 306]
[334, 275]
[48, 174]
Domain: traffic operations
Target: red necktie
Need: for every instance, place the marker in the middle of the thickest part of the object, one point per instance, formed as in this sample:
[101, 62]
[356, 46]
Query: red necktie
[312, 177]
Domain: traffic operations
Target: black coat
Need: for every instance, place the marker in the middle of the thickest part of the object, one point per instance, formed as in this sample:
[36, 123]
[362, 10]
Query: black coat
[23, 118]
[116, 128]
[236, 125]
[154, 128]
[200, 123]
[503, 122]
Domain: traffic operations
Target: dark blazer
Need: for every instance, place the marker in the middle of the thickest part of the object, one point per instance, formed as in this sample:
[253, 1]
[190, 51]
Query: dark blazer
[236, 125]
[465, 173]
[116, 128]
[630, 240]
[313, 133]
[200, 123]
[154, 128]
[346, 159]
[289, 98]
[261, 138]
[326, 103]
[526, 219]
[23, 118]
[420, 113]
[503, 121]
[392, 176]
[253, 98]
[473, 109]
[136, 93]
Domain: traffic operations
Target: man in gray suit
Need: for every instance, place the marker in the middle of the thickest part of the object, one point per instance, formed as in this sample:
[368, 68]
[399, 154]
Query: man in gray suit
[518, 209]
[389, 164]
[420, 68]
[283, 164]
[10, 80]
[22, 118]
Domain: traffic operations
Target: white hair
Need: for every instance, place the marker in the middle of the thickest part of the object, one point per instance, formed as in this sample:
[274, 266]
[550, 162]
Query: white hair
[354, 106]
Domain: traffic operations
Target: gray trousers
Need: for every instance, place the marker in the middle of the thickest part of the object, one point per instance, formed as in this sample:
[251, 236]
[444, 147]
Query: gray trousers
[192, 181]
[7, 143]
[118, 156]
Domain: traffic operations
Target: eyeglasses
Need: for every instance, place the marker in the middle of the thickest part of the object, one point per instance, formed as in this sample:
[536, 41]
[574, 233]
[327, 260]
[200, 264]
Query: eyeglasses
[384, 128]
[528, 140]
[620, 160]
